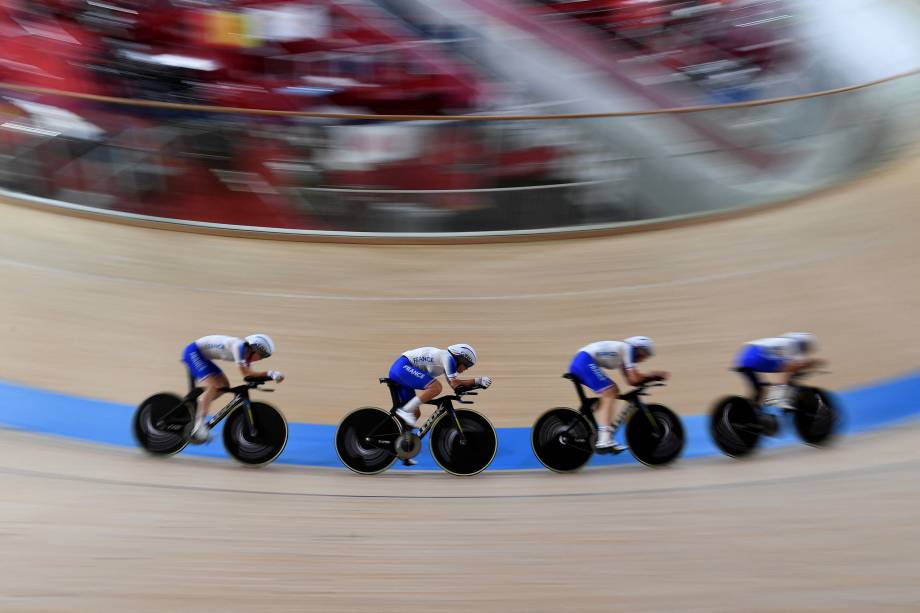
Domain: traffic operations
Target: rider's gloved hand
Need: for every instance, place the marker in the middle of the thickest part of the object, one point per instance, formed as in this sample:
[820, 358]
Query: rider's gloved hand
[483, 382]
[276, 375]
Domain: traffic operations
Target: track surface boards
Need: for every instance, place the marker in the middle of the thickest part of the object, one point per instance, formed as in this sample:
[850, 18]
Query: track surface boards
[97, 529]
[102, 310]
[117, 304]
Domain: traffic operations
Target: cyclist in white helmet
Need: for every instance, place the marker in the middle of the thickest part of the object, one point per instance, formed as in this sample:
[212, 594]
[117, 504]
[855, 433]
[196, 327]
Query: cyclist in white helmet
[198, 356]
[416, 372]
[787, 355]
[588, 365]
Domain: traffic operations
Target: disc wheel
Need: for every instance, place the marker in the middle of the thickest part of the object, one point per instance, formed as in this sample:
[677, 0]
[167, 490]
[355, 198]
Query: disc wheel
[563, 439]
[364, 440]
[464, 445]
[162, 424]
[655, 435]
[259, 443]
[815, 416]
[735, 426]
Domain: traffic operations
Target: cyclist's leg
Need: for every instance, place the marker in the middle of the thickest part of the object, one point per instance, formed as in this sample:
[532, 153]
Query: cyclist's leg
[754, 382]
[748, 363]
[603, 411]
[754, 360]
[416, 387]
[211, 384]
[587, 371]
[208, 376]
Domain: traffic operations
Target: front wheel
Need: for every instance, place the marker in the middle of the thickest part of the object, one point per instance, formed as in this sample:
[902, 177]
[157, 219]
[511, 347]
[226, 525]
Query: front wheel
[736, 426]
[563, 439]
[365, 440]
[464, 443]
[162, 424]
[655, 435]
[815, 416]
[257, 442]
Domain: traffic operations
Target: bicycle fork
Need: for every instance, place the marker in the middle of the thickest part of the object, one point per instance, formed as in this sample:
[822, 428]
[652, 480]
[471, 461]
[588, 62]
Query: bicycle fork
[459, 427]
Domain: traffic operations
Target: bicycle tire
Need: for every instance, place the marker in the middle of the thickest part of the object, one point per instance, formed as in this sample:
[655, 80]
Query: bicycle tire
[735, 426]
[563, 439]
[173, 435]
[270, 439]
[658, 443]
[816, 417]
[352, 448]
[467, 454]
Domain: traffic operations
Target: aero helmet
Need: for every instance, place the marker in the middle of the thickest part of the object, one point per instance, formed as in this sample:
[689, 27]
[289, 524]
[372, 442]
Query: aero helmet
[463, 353]
[261, 344]
[806, 340]
[642, 342]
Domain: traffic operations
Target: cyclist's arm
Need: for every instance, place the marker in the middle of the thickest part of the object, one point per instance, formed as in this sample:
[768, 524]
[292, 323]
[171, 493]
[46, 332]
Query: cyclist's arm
[804, 364]
[242, 356]
[452, 374]
[458, 382]
[247, 371]
[634, 377]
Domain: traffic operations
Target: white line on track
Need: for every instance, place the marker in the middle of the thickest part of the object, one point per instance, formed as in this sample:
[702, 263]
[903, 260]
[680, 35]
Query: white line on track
[684, 281]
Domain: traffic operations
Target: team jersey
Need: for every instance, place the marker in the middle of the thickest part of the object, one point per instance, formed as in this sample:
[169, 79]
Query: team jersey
[220, 347]
[611, 354]
[785, 349]
[434, 361]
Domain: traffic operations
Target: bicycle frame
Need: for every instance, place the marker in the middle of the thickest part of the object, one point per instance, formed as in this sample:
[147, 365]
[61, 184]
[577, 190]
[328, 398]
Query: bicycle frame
[444, 404]
[795, 380]
[426, 427]
[240, 399]
[633, 403]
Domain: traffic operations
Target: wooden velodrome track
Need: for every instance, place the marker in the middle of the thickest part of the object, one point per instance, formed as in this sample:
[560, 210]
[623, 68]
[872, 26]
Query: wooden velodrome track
[103, 310]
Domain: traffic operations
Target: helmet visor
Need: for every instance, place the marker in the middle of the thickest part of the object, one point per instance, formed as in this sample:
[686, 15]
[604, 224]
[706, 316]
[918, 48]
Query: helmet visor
[463, 360]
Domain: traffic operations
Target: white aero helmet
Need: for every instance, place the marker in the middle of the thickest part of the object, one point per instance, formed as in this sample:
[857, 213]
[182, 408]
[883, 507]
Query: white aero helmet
[807, 341]
[463, 353]
[644, 343]
[261, 344]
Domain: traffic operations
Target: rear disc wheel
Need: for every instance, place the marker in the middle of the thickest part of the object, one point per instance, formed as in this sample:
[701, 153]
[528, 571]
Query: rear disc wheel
[364, 440]
[563, 439]
[162, 424]
[735, 425]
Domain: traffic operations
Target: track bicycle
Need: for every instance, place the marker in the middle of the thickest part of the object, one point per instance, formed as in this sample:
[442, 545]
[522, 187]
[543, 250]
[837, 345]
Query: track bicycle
[563, 439]
[737, 422]
[463, 442]
[255, 433]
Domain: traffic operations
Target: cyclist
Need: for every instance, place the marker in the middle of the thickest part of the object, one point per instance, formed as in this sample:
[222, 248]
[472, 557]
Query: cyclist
[416, 372]
[198, 356]
[588, 365]
[786, 354]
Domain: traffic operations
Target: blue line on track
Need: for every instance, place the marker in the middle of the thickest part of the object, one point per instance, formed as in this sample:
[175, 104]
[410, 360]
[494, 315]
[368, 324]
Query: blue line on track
[25, 408]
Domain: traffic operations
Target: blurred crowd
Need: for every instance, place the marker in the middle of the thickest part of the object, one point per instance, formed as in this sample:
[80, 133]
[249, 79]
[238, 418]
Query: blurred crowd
[327, 55]
[246, 53]
[728, 48]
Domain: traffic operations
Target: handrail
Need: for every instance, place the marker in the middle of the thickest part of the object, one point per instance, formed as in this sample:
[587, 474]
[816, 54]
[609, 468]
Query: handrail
[370, 116]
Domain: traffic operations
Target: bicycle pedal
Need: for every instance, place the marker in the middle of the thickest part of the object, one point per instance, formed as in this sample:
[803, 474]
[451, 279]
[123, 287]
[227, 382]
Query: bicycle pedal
[409, 462]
